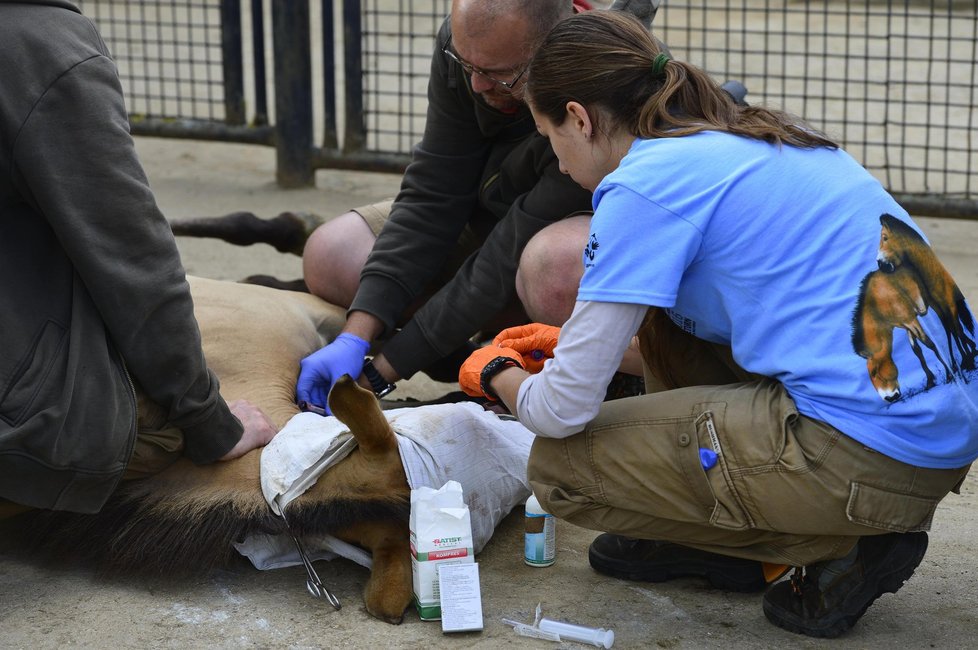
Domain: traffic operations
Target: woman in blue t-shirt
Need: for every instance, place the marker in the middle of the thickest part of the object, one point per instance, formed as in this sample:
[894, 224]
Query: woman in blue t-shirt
[813, 363]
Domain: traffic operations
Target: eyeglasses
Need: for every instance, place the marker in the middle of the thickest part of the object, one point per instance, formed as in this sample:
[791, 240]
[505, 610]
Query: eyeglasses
[471, 69]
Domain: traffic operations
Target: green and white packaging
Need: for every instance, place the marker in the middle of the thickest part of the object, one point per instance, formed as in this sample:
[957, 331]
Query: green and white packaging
[441, 533]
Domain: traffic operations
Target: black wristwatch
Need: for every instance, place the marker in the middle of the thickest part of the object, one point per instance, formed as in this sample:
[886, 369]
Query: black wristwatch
[492, 369]
[378, 384]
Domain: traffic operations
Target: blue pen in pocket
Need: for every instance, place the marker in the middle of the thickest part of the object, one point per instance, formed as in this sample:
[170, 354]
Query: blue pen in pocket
[708, 458]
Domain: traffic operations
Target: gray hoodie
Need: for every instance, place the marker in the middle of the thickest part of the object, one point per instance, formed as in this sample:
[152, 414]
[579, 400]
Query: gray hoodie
[93, 296]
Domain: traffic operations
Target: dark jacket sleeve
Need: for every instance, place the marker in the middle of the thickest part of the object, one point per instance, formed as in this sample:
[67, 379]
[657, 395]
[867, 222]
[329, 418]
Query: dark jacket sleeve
[486, 282]
[439, 193]
[79, 168]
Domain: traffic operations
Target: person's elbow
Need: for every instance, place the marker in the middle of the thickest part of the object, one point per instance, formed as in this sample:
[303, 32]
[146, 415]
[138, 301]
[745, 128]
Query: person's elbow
[552, 417]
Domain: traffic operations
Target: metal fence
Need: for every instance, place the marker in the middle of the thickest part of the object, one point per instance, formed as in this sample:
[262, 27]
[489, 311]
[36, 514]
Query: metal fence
[182, 67]
[397, 49]
[892, 80]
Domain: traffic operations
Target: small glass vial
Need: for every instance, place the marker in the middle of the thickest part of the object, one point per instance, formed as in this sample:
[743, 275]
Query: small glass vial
[540, 539]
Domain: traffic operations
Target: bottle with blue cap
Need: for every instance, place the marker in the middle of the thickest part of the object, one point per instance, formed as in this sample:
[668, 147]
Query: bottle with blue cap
[540, 538]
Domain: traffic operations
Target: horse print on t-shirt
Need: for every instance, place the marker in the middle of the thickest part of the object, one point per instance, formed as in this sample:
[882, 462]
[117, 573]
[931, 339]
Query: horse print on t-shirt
[910, 282]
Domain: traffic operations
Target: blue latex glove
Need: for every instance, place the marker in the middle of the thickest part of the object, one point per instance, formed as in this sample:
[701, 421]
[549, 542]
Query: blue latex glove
[320, 370]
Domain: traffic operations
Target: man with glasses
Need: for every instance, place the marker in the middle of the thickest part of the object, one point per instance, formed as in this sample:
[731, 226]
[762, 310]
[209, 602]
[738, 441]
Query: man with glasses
[481, 182]
[497, 93]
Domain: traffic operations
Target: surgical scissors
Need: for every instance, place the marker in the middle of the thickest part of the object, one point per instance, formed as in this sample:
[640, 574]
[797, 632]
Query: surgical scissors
[313, 583]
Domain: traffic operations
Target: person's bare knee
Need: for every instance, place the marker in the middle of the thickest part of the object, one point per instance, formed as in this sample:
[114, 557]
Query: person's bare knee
[550, 270]
[333, 257]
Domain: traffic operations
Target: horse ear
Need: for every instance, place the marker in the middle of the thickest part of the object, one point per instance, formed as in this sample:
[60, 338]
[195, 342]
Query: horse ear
[358, 408]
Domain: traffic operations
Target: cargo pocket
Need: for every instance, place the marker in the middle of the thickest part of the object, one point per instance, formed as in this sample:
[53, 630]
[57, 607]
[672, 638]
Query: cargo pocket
[30, 375]
[713, 487]
[895, 511]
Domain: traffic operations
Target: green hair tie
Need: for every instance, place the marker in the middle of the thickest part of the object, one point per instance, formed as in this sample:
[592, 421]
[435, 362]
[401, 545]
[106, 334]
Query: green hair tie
[659, 64]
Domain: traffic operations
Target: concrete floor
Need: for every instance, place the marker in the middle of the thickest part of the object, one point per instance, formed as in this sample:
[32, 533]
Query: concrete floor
[239, 607]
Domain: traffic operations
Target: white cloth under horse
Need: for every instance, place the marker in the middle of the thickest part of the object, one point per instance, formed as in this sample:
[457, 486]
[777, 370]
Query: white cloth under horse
[485, 453]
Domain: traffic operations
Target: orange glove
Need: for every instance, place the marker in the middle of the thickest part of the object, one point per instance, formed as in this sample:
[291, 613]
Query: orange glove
[471, 373]
[534, 342]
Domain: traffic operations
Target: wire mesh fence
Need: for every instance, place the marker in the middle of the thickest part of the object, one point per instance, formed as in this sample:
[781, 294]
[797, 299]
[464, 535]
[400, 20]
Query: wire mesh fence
[168, 54]
[893, 80]
[397, 47]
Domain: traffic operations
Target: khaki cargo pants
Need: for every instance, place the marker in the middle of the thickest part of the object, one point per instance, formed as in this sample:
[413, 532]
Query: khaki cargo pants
[376, 215]
[786, 489]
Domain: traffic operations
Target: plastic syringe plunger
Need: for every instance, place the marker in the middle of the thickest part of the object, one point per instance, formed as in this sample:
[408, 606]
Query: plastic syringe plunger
[597, 636]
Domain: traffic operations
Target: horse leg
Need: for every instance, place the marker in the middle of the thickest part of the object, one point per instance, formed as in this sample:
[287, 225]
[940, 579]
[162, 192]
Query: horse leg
[952, 341]
[877, 349]
[915, 346]
[883, 374]
[956, 338]
[964, 322]
[969, 353]
[287, 232]
[966, 347]
[948, 309]
[917, 332]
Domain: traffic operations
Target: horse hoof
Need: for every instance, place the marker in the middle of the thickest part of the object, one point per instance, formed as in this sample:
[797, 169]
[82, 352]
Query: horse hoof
[274, 283]
[393, 620]
[388, 614]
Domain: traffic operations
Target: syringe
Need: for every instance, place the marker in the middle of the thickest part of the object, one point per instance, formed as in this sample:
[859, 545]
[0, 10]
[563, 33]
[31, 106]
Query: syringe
[545, 628]
[597, 636]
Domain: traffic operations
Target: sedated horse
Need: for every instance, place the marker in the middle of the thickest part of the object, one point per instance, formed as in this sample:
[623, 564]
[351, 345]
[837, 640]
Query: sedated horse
[901, 245]
[888, 301]
[185, 519]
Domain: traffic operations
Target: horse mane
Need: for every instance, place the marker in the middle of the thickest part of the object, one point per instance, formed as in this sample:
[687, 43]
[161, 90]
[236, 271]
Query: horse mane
[858, 334]
[149, 528]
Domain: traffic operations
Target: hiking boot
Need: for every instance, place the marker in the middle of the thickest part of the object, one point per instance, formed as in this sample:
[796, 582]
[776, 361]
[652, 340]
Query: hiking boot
[831, 596]
[650, 560]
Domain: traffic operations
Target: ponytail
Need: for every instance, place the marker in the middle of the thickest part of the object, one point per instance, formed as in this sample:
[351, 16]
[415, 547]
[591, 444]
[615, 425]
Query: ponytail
[610, 64]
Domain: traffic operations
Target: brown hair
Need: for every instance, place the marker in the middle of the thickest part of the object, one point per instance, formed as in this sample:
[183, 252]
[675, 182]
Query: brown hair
[606, 60]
